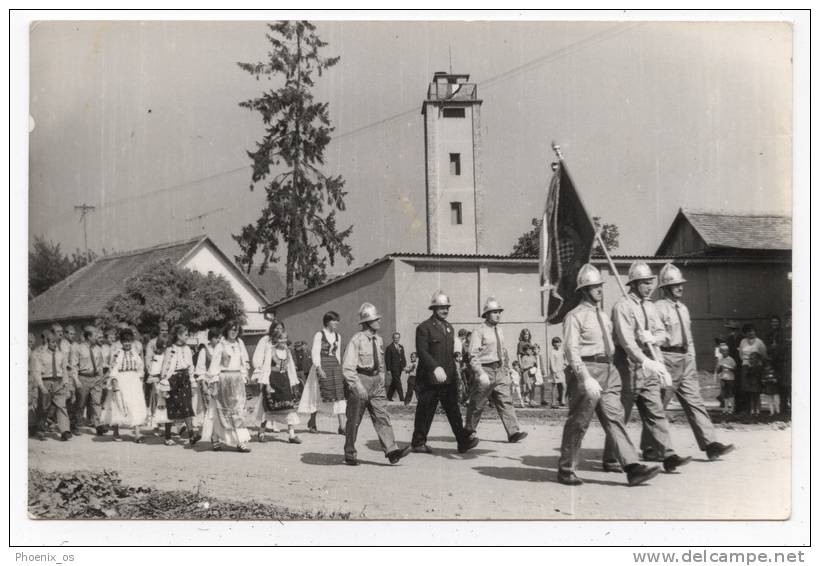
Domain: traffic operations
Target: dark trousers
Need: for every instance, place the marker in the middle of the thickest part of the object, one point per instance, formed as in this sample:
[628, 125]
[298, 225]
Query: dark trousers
[610, 411]
[368, 395]
[395, 387]
[429, 396]
[687, 389]
[643, 391]
[411, 388]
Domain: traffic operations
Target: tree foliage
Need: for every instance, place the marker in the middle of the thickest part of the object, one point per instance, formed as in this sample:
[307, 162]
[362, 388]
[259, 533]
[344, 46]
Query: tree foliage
[165, 291]
[47, 264]
[288, 160]
[527, 244]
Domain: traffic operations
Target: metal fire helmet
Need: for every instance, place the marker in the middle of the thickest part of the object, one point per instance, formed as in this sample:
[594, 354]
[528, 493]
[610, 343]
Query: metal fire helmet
[588, 276]
[368, 313]
[439, 299]
[670, 275]
[639, 271]
[490, 305]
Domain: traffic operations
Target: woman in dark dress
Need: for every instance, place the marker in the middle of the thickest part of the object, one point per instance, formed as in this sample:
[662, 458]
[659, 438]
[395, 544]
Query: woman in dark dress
[325, 382]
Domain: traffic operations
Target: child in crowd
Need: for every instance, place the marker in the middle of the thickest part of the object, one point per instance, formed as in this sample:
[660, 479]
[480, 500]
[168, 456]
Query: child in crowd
[275, 369]
[160, 388]
[515, 378]
[771, 389]
[411, 368]
[528, 371]
[725, 371]
[558, 364]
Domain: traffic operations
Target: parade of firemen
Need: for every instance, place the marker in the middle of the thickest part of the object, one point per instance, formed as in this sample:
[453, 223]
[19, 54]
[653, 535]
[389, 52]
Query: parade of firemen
[640, 355]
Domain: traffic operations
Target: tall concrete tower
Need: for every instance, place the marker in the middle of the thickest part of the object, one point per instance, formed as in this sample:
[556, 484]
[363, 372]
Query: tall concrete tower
[452, 151]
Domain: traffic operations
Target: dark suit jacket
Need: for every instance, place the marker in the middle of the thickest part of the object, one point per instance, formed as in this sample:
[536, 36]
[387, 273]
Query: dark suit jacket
[394, 359]
[435, 343]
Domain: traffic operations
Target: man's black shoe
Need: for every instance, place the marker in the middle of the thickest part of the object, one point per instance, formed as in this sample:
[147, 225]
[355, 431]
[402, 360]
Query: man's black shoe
[351, 461]
[469, 443]
[613, 467]
[640, 473]
[715, 450]
[422, 449]
[569, 478]
[397, 455]
[673, 462]
[65, 436]
[516, 436]
[100, 431]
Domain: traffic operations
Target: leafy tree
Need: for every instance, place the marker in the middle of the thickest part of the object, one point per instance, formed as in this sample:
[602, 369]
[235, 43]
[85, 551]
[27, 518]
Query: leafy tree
[165, 291]
[47, 264]
[527, 245]
[297, 131]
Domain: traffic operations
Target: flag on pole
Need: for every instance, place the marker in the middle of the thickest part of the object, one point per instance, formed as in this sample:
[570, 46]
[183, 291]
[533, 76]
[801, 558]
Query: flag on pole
[565, 244]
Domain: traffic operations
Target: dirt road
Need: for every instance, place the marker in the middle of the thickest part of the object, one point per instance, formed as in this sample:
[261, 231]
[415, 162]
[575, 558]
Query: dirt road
[497, 480]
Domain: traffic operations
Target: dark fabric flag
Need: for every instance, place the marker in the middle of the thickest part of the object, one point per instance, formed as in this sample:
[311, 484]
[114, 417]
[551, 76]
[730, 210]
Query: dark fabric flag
[565, 244]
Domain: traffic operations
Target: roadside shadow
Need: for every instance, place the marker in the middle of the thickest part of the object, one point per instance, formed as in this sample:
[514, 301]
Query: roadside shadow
[534, 475]
[319, 459]
[589, 460]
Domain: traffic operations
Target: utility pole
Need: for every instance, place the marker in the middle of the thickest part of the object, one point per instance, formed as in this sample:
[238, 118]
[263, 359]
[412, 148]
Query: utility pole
[84, 210]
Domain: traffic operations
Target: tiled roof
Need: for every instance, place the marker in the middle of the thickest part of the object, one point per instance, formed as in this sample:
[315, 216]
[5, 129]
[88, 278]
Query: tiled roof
[741, 231]
[84, 293]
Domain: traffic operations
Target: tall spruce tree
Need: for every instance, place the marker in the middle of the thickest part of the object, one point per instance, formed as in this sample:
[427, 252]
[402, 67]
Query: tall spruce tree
[288, 160]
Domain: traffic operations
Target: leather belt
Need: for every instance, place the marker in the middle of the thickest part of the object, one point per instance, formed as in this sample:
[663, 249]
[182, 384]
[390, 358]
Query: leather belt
[58, 378]
[88, 374]
[597, 359]
[492, 365]
[674, 349]
[367, 371]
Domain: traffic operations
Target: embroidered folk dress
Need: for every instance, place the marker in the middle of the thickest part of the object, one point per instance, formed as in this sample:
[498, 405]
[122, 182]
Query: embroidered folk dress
[325, 353]
[159, 391]
[225, 421]
[125, 403]
[275, 370]
[178, 369]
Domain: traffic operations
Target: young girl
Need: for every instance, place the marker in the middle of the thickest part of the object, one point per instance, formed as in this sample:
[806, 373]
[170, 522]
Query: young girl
[527, 363]
[203, 361]
[411, 378]
[125, 403]
[228, 373]
[558, 364]
[752, 355]
[275, 370]
[771, 389]
[325, 383]
[160, 388]
[725, 371]
[178, 370]
[515, 375]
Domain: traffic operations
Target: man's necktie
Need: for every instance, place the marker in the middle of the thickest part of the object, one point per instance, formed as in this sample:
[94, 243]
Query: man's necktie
[645, 316]
[604, 332]
[93, 363]
[54, 363]
[684, 340]
[498, 344]
[375, 355]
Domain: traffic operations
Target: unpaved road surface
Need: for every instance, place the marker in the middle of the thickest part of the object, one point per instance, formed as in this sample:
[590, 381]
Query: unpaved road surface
[497, 480]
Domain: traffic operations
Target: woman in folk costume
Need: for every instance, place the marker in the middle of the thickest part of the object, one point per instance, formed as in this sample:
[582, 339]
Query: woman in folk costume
[160, 388]
[228, 373]
[204, 356]
[125, 402]
[325, 382]
[275, 370]
[178, 370]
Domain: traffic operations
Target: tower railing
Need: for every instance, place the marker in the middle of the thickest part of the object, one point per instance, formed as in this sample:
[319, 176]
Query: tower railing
[450, 91]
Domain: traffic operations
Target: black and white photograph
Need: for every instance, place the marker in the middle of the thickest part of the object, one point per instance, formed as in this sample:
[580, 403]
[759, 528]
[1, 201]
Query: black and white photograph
[309, 269]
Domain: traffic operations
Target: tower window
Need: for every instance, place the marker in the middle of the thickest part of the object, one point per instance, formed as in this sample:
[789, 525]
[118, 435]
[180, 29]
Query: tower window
[455, 213]
[453, 112]
[455, 164]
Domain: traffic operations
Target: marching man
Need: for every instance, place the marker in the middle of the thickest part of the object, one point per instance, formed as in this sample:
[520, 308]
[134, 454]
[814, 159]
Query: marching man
[363, 370]
[678, 349]
[595, 385]
[638, 329]
[492, 382]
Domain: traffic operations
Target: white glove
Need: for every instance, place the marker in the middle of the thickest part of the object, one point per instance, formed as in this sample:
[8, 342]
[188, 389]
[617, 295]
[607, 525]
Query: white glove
[647, 337]
[440, 374]
[483, 379]
[653, 367]
[592, 387]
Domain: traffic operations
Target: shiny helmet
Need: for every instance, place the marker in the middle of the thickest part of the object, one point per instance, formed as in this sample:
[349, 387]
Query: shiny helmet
[368, 313]
[439, 299]
[639, 271]
[588, 276]
[490, 305]
[670, 275]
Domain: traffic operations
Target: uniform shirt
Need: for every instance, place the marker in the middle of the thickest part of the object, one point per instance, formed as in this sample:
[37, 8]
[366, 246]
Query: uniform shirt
[177, 358]
[628, 319]
[359, 353]
[45, 362]
[674, 332]
[483, 346]
[583, 335]
[81, 357]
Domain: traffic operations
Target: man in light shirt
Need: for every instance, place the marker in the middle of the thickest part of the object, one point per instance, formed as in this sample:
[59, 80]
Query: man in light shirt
[88, 361]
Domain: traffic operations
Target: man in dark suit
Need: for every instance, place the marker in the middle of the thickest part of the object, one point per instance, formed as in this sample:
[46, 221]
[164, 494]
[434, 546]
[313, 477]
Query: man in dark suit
[436, 377]
[395, 362]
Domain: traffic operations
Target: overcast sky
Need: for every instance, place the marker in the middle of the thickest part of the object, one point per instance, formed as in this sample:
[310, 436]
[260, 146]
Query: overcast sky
[141, 120]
